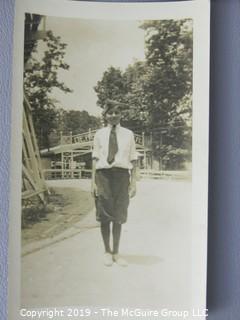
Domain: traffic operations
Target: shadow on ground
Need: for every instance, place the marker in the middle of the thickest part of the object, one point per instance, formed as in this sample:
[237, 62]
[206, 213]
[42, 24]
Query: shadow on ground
[143, 260]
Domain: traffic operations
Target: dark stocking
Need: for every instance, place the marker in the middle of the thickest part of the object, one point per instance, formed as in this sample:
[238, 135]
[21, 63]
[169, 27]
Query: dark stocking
[116, 231]
[105, 230]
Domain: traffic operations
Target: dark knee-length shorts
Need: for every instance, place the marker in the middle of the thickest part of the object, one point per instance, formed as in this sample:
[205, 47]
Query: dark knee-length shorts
[113, 199]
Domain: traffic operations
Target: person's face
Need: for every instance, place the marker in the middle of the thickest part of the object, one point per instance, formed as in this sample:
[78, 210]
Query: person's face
[113, 116]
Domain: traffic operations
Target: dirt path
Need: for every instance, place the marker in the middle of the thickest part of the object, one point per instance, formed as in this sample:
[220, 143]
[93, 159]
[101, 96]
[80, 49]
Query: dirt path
[66, 208]
[156, 242]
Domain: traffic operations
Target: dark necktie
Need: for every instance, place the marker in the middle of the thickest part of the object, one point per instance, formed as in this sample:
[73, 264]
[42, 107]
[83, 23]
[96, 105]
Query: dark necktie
[113, 146]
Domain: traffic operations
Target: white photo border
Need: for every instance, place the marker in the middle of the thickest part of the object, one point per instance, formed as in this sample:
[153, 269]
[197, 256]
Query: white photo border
[199, 11]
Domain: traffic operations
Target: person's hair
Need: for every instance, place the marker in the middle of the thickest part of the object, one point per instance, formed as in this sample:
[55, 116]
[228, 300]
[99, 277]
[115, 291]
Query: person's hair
[111, 104]
[104, 113]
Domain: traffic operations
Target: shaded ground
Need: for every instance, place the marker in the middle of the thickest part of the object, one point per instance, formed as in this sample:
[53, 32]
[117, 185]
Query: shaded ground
[67, 206]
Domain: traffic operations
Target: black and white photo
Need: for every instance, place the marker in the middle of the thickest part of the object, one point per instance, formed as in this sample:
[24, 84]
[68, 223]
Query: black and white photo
[110, 149]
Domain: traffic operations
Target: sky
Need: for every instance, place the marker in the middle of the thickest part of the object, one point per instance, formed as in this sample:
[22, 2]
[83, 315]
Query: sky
[92, 47]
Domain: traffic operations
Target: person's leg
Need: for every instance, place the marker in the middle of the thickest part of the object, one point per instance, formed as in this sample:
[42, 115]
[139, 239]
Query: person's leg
[105, 231]
[119, 184]
[104, 208]
[119, 187]
[116, 232]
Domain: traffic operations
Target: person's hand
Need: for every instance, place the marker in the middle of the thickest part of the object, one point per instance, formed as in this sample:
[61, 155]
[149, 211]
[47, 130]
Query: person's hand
[94, 190]
[132, 189]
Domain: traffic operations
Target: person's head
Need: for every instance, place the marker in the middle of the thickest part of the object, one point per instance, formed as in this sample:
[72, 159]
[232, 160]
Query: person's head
[112, 112]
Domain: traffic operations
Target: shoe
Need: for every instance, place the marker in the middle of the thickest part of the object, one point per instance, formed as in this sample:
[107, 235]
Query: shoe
[108, 261]
[119, 260]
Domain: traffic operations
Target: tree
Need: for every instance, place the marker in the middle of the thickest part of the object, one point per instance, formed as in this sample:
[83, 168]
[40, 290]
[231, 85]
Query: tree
[157, 92]
[79, 122]
[111, 86]
[74, 121]
[126, 87]
[169, 57]
[136, 115]
[40, 78]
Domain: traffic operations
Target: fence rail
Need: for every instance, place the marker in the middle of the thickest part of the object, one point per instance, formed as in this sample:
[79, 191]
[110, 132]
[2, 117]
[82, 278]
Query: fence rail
[89, 137]
[161, 174]
[52, 174]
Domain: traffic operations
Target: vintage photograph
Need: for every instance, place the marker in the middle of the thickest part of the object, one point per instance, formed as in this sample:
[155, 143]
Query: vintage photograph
[107, 157]
[107, 111]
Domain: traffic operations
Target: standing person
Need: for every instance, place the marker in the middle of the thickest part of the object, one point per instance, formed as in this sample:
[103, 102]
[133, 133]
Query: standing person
[114, 178]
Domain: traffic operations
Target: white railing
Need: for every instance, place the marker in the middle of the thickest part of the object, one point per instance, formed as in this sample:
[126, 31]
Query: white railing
[55, 174]
[84, 137]
[89, 136]
[161, 174]
[52, 174]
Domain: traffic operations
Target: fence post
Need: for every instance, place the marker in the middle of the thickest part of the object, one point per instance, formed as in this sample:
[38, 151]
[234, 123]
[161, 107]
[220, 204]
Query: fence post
[71, 159]
[90, 138]
[144, 151]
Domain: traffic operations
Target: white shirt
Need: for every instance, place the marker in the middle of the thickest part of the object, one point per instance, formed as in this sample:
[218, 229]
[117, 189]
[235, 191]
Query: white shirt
[126, 148]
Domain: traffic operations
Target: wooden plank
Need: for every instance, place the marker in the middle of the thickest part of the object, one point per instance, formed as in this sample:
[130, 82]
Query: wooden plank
[29, 178]
[36, 190]
[29, 147]
[27, 103]
[25, 154]
[36, 177]
[35, 145]
[37, 35]
[29, 194]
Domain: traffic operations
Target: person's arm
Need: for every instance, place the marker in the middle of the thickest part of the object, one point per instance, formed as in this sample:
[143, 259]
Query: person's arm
[95, 156]
[133, 180]
[93, 184]
[134, 162]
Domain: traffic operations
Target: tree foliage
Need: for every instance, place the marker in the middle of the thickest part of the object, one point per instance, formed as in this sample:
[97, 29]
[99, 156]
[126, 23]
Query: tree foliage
[111, 86]
[78, 122]
[158, 91]
[72, 122]
[40, 78]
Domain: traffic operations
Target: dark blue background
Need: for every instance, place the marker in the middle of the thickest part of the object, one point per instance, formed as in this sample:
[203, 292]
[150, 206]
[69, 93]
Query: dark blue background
[224, 175]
